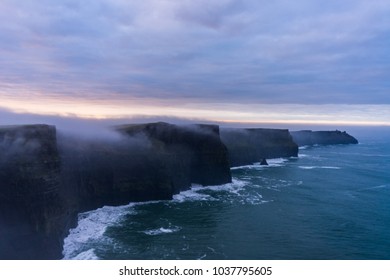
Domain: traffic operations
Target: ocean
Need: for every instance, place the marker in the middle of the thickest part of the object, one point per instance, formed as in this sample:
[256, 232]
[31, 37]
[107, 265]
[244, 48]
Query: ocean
[331, 202]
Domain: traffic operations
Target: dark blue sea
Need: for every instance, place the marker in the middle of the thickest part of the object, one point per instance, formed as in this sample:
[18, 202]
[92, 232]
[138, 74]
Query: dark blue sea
[331, 202]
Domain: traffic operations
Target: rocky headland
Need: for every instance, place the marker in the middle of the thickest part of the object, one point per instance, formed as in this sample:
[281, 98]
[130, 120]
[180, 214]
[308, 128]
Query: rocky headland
[310, 138]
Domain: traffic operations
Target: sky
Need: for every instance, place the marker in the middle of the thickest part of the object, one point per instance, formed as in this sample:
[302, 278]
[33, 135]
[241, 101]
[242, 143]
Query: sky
[249, 61]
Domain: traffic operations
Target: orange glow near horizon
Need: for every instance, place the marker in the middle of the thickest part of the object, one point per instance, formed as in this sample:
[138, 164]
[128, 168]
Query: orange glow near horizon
[359, 115]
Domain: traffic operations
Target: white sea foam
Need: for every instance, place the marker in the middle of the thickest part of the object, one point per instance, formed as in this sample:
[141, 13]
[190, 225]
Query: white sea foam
[86, 255]
[273, 162]
[319, 167]
[235, 192]
[238, 193]
[93, 224]
[303, 156]
[91, 227]
[196, 193]
[303, 147]
[235, 185]
[253, 199]
[277, 161]
[162, 230]
[252, 166]
[191, 195]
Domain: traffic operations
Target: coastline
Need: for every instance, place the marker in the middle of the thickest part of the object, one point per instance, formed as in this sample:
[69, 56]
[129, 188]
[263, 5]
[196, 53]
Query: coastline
[89, 174]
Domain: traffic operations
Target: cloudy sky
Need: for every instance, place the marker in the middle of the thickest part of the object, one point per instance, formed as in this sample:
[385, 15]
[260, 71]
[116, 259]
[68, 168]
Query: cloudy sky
[304, 61]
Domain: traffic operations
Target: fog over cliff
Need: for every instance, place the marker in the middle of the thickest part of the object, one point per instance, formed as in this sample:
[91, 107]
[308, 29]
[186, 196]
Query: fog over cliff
[90, 128]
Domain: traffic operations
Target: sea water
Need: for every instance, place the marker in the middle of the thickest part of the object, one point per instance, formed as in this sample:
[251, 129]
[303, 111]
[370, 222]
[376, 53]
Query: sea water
[331, 202]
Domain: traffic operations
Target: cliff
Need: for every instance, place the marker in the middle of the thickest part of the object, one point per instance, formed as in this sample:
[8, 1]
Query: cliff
[95, 173]
[147, 162]
[309, 138]
[247, 146]
[32, 212]
[193, 153]
[46, 179]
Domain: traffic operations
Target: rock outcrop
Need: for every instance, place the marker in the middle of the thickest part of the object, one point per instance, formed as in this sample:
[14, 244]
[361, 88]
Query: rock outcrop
[309, 137]
[248, 146]
[47, 179]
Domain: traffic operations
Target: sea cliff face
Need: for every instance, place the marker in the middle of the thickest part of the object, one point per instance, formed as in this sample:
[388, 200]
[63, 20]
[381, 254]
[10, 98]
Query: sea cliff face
[193, 153]
[102, 172]
[309, 137]
[32, 212]
[247, 146]
[47, 179]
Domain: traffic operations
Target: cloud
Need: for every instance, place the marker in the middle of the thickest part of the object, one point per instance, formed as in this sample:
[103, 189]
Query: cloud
[311, 52]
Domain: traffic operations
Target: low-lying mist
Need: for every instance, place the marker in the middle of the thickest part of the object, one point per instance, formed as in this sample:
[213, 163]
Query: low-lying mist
[102, 128]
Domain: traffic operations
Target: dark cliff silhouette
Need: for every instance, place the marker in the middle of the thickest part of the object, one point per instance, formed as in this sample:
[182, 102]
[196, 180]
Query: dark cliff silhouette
[32, 211]
[310, 138]
[193, 153]
[248, 146]
[47, 178]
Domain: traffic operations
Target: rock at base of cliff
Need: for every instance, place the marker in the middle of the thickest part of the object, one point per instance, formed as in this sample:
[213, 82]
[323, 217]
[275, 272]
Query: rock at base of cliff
[263, 162]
